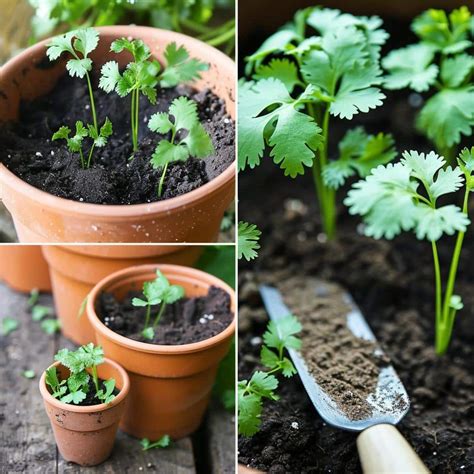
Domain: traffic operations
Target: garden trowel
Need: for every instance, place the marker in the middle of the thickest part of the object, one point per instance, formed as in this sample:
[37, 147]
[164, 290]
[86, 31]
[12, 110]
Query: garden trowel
[382, 449]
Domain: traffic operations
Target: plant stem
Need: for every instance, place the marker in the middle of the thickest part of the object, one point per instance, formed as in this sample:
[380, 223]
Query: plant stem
[147, 316]
[90, 155]
[160, 314]
[162, 180]
[134, 118]
[137, 105]
[222, 38]
[83, 163]
[95, 378]
[91, 95]
[437, 282]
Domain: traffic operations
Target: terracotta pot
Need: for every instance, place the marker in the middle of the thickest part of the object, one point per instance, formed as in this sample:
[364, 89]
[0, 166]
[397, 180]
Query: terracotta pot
[86, 434]
[42, 217]
[170, 385]
[75, 269]
[23, 268]
[248, 470]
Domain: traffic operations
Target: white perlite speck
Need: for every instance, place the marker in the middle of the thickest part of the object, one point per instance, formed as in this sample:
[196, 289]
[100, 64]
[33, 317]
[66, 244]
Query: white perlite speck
[295, 425]
[202, 320]
[38, 153]
[255, 341]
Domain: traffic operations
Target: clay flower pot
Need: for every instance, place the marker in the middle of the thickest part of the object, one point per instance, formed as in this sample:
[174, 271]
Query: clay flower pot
[42, 217]
[86, 434]
[75, 269]
[23, 268]
[170, 385]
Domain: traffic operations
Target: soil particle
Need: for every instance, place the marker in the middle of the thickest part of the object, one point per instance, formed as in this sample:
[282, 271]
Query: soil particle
[27, 150]
[346, 367]
[186, 321]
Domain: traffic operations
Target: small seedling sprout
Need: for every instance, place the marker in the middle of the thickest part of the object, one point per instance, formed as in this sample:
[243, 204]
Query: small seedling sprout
[157, 292]
[247, 243]
[163, 442]
[188, 136]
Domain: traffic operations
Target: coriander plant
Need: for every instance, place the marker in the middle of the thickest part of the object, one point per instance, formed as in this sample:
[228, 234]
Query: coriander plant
[143, 75]
[322, 64]
[157, 292]
[247, 242]
[85, 41]
[251, 393]
[440, 64]
[82, 364]
[404, 196]
[188, 136]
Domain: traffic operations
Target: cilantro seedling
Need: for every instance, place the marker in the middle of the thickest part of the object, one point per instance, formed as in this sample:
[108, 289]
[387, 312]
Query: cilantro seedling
[262, 385]
[144, 75]
[404, 197]
[38, 312]
[50, 326]
[75, 388]
[29, 374]
[34, 296]
[188, 136]
[441, 64]
[298, 81]
[79, 44]
[157, 292]
[247, 243]
[163, 442]
[9, 325]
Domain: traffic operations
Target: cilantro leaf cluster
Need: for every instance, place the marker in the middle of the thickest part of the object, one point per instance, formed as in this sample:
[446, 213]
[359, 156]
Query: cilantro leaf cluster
[442, 64]
[82, 365]
[262, 385]
[247, 243]
[157, 292]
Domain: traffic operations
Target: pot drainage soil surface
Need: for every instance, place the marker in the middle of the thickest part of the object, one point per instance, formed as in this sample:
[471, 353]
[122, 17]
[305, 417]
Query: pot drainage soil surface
[186, 321]
[346, 367]
[27, 149]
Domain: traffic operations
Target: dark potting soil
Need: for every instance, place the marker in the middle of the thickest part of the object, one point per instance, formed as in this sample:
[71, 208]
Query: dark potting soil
[346, 367]
[91, 399]
[186, 321]
[392, 283]
[27, 150]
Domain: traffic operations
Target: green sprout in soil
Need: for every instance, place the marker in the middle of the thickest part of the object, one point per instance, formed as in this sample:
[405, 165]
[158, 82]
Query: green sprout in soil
[247, 243]
[279, 336]
[404, 197]
[157, 292]
[143, 75]
[85, 41]
[34, 296]
[440, 64]
[39, 312]
[163, 442]
[82, 365]
[323, 64]
[29, 374]
[9, 325]
[188, 136]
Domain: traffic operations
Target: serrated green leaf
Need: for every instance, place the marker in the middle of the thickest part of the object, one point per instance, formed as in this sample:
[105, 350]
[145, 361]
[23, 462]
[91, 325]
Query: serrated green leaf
[264, 384]
[160, 123]
[63, 132]
[77, 380]
[456, 69]
[60, 44]
[163, 442]
[287, 368]
[110, 76]
[50, 326]
[250, 410]
[86, 41]
[9, 325]
[281, 334]
[167, 152]
[38, 312]
[137, 47]
[76, 397]
[282, 69]
[29, 374]
[433, 223]
[247, 243]
[269, 358]
[79, 67]
[185, 113]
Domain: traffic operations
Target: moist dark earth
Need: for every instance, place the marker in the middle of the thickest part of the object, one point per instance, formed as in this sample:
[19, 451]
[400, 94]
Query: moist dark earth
[186, 321]
[392, 283]
[27, 150]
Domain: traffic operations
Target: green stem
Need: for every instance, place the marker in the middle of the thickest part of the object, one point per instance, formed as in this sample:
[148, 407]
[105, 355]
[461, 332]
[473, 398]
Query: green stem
[83, 163]
[91, 95]
[132, 118]
[137, 105]
[95, 378]
[437, 282]
[160, 314]
[147, 316]
[222, 38]
[195, 26]
[162, 180]
[90, 155]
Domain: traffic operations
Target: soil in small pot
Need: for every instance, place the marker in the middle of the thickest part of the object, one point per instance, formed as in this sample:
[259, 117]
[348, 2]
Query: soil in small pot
[184, 322]
[27, 150]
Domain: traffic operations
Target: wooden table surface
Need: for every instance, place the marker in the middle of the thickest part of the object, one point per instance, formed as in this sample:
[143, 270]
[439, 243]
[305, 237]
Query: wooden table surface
[26, 439]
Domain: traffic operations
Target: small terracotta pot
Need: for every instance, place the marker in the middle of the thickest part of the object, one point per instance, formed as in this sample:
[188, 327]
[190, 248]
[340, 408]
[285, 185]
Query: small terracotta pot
[75, 269]
[86, 434]
[42, 217]
[23, 268]
[170, 385]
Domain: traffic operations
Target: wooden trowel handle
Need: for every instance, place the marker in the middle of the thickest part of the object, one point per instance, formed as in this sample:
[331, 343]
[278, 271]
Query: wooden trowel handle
[383, 450]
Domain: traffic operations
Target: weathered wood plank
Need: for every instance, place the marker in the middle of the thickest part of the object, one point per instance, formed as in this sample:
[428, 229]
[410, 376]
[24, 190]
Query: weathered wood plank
[26, 440]
[221, 439]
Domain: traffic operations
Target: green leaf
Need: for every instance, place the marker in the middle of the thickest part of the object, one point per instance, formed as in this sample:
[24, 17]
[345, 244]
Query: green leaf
[454, 70]
[105, 131]
[282, 69]
[163, 442]
[247, 243]
[266, 110]
[107, 396]
[250, 410]
[38, 312]
[50, 326]
[76, 381]
[148, 333]
[456, 302]
[179, 67]
[90, 354]
[287, 367]
[34, 296]
[269, 358]
[166, 152]
[411, 67]
[281, 334]
[76, 397]
[433, 223]
[63, 132]
[139, 302]
[86, 41]
[160, 123]
[264, 384]
[137, 47]
[51, 379]
[29, 374]
[110, 76]
[82, 308]
[184, 112]
[60, 44]
[9, 325]
[79, 67]
[448, 115]
[199, 142]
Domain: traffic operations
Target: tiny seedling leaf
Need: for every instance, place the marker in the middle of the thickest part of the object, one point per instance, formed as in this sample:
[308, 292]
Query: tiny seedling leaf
[9, 325]
[248, 237]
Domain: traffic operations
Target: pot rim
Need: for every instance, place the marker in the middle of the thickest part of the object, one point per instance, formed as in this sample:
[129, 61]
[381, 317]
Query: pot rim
[47, 397]
[138, 270]
[117, 211]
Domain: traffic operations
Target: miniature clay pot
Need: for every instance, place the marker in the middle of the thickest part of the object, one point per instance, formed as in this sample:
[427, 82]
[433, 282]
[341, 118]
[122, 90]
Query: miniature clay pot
[86, 434]
[170, 385]
[24, 268]
[41, 217]
[75, 269]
